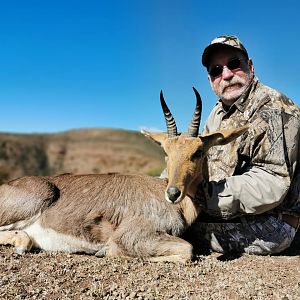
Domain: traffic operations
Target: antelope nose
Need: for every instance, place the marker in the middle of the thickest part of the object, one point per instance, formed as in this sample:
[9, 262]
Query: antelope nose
[173, 193]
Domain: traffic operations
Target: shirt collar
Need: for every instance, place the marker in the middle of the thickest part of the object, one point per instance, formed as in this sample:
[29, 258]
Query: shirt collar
[244, 99]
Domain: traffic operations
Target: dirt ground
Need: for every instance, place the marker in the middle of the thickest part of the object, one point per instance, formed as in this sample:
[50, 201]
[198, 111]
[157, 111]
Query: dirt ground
[43, 275]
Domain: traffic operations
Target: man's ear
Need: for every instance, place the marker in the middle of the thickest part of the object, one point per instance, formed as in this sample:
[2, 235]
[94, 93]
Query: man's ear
[208, 78]
[158, 137]
[251, 66]
[222, 137]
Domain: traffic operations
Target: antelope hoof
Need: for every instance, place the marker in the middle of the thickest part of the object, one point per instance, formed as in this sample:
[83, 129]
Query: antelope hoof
[101, 253]
[21, 250]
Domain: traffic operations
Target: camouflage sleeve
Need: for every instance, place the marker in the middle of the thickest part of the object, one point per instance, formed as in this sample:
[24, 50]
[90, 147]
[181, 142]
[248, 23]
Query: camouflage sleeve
[254, 192]
[273, 147]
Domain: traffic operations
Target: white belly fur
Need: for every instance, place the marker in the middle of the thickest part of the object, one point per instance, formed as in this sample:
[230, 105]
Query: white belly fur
[50, 240]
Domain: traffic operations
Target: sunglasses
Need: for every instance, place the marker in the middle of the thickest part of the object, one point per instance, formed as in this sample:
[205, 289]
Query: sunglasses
[233, 64]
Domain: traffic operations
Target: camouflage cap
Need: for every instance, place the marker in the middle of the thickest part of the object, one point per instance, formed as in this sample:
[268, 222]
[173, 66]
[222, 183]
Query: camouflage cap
[223, 40]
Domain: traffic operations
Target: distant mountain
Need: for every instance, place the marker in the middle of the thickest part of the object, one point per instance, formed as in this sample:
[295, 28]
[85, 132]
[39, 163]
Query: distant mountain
[81, 151]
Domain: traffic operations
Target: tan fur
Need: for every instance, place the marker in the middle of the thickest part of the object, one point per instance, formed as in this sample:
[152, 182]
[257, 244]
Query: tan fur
[110, 214]
[185, 170]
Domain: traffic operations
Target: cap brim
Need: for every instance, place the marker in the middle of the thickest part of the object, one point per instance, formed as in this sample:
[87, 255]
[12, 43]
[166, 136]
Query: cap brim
[211, 48]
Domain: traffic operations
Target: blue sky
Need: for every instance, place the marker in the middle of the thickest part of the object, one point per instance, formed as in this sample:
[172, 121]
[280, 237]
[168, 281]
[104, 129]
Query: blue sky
[80, 64]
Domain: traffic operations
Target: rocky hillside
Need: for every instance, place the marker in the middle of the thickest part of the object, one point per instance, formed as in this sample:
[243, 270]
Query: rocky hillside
[79, 151]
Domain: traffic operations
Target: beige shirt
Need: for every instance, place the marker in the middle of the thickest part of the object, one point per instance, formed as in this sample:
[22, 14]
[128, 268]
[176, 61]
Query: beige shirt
[258, 172]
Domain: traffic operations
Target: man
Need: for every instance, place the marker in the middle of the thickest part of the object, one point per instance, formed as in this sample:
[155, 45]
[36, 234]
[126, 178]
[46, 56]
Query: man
[252, 199]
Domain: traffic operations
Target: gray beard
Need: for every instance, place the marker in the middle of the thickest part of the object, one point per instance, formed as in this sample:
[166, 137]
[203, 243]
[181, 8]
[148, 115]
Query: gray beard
[244, 82]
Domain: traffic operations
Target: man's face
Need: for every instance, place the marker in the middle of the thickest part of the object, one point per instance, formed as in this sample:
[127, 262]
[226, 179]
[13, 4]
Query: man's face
[236, 73]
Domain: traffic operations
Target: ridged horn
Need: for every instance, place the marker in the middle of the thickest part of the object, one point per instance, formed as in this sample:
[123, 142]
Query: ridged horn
[193, 130]
[170, 121]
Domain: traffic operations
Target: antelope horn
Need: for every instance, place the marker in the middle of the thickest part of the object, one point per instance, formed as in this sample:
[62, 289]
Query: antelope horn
[193, 130]
[171, 125]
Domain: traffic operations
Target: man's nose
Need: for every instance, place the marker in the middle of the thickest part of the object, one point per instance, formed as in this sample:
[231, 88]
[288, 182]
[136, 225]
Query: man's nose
[227, 74]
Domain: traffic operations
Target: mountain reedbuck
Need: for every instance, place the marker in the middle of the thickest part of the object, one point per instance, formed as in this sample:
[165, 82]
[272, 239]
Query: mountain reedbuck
[114, 214]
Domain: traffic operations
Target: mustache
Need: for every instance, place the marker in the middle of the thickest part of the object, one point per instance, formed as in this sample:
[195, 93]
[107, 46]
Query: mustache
[233, 81]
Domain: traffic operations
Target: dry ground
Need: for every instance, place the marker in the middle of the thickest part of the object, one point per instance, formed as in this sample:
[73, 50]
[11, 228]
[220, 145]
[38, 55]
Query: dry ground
[43, 275]
[50, 276]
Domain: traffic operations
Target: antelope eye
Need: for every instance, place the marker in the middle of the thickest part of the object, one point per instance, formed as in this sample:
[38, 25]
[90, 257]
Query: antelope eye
[197, 154]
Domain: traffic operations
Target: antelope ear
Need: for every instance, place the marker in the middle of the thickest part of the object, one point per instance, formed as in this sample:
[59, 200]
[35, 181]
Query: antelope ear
[223, 137]
[158, 137]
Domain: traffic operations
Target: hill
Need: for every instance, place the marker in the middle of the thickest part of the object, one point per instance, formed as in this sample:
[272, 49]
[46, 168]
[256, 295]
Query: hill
[79, 151]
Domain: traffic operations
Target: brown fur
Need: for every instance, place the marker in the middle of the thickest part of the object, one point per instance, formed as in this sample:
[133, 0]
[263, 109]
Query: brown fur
[113, 214]
[128, 212]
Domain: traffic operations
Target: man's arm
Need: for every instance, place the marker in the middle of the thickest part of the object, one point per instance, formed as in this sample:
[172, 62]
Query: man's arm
[266, 182]
[253, 192]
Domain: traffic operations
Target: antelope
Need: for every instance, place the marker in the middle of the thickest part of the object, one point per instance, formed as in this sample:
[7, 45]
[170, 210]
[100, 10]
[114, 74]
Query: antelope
[114, 214]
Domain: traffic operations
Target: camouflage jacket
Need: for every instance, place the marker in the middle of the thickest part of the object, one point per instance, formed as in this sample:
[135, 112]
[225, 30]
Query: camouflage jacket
[258, 172]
